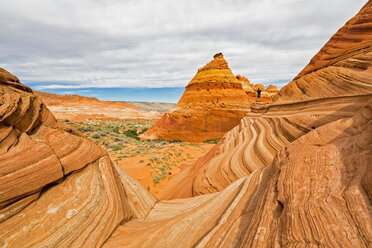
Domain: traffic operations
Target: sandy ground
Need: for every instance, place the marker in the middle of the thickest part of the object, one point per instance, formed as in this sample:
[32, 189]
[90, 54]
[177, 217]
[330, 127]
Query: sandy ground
[144, 168]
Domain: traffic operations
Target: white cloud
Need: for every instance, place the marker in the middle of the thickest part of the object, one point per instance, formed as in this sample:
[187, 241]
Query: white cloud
[152, 43]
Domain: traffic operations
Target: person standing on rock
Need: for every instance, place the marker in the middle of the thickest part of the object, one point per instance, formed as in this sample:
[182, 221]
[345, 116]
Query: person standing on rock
[258, 95]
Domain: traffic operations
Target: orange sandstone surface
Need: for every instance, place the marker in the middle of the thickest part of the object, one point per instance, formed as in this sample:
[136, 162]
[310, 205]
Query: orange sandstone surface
[251, 90]
[80, 108]
[342, 67]
[57, 189]
[293, 173]
[213, 103]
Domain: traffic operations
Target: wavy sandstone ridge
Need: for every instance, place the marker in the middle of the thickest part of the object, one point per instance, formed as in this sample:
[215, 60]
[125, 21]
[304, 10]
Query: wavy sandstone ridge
[212, 104]
[342, 67]
[57, 189]
[316, 193]
[254, 143]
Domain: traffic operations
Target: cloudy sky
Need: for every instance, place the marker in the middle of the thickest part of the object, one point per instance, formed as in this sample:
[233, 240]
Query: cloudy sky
[77, 44]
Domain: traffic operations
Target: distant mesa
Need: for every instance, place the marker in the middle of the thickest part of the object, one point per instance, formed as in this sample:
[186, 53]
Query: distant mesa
[213, 102]
[80, 108]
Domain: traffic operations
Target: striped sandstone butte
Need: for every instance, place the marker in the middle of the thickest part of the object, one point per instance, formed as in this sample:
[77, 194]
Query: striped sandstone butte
[212, 104]
[294, 173]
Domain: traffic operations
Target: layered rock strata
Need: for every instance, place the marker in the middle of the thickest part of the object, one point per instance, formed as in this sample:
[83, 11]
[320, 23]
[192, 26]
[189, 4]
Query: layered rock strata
[316, 193]
[80, 108]
[212, 104]
[250, 89]
[342, 67]
[254, 143]
[57, 189]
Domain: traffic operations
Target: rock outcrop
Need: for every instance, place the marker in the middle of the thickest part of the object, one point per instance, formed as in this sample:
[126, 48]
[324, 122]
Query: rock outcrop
[295, 173]
[316, 193]
[80, 108]
[267, 95]
[292, 174]
[254, 143]
[57, 189]
[342, 67]
[213, 103]
[268, 128]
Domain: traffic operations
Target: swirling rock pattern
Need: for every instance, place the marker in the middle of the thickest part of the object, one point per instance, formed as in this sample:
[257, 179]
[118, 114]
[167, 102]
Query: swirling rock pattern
[316, 193]
[57, 189]
[342, 67]
[254, 143]
[212, 104]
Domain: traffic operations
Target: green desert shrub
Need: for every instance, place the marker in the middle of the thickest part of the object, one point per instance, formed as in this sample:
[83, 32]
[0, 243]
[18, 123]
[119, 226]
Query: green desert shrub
[96, 135]
[211, 141]
[132, 133]
[117, 147]
[143, 130]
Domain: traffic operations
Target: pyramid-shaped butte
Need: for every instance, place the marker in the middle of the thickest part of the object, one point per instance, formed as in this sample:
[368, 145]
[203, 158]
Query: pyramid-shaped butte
[213, 103]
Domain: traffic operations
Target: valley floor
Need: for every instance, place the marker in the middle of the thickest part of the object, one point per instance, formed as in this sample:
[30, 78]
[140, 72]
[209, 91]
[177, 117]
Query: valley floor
[152, 163]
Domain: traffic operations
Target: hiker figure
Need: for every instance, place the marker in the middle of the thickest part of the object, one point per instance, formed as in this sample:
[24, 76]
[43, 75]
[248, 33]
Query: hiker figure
[258, 95]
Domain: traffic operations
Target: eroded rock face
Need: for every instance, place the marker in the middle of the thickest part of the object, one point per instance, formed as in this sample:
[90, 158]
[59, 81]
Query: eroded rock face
[342, 67]
[212, 104]
[254, 143]
[251, 90]
[316, 193]
[56, 187]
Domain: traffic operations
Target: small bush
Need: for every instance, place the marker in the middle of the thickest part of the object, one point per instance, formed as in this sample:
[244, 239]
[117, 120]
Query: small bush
[117, 147]
[144, 130]
[81, 129]
[156, 179]
[212, 141]
[96, 136]
[103, 134]
[132, 133]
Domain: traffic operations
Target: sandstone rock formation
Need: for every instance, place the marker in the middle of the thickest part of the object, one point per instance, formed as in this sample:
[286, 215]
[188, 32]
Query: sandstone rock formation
[268, 128]
[316, 193]
[57, 189]
[212, 104]
[342, 67]
[254, 143]
[251, 90]
[309, 181]
[80, 108]
[295, 173]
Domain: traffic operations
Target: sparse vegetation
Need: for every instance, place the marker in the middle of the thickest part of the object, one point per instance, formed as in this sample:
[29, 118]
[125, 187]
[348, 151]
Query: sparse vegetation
[121, 139]
[132, 133]
[212, 141]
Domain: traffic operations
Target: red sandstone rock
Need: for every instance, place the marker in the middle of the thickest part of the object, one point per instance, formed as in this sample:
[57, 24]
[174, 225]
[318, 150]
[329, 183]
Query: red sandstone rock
[342, 67]
[57, 189]
[316, 193]
[251, 90]
[308, 183]
[212, 104]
